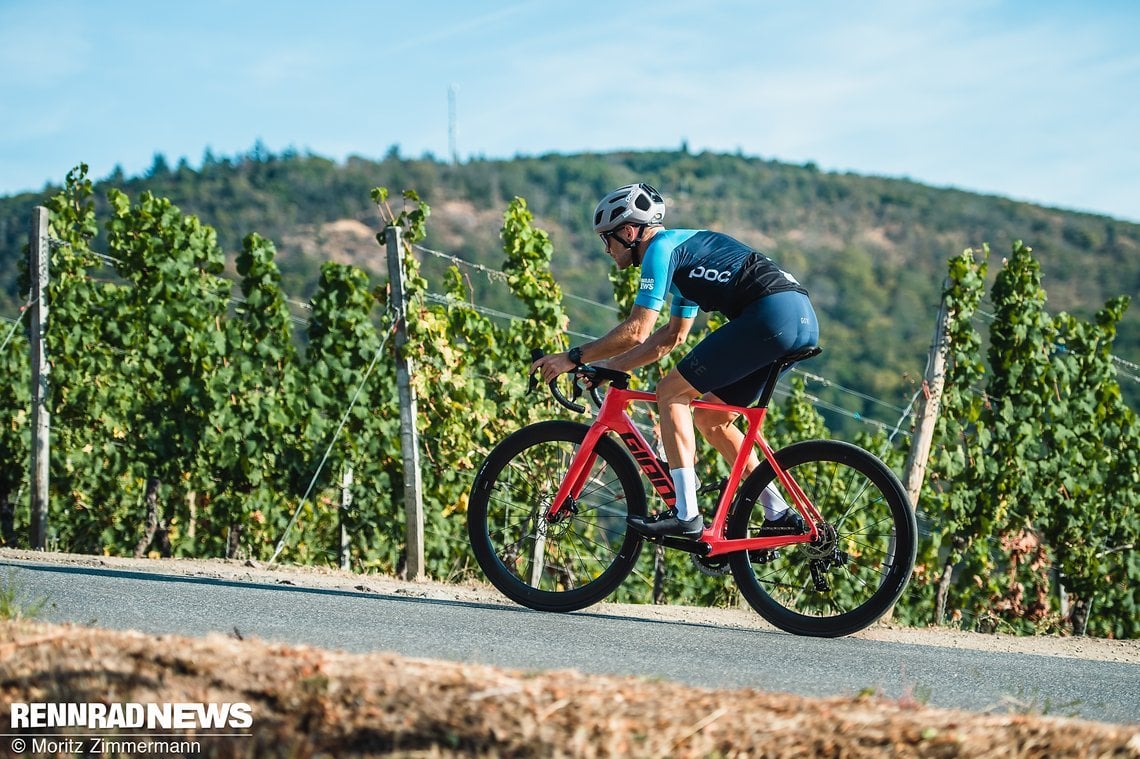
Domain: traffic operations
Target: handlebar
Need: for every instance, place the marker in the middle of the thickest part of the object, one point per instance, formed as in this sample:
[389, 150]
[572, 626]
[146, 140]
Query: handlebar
[595, 375]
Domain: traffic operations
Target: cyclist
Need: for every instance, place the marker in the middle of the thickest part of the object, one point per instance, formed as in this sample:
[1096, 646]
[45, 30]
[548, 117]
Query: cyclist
[769, 316]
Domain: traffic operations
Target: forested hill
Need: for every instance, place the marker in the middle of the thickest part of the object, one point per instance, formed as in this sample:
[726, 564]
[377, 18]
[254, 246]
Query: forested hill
[872, 251]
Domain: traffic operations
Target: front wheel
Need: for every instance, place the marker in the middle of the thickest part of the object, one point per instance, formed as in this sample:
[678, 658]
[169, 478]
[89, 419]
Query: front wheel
[569, 564]
[862, 560]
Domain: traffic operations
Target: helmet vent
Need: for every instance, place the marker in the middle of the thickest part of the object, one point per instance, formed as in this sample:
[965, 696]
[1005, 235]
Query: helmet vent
[637, 204]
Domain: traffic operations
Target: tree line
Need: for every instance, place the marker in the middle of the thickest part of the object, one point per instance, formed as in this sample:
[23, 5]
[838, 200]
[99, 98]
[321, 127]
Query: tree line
[872, 250]
[188, 420]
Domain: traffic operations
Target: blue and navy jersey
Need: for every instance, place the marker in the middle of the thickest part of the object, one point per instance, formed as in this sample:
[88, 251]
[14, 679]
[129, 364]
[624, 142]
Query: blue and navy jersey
[709, 271]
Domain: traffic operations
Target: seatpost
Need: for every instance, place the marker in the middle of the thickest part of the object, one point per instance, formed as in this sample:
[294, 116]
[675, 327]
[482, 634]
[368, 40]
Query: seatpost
[778, 368]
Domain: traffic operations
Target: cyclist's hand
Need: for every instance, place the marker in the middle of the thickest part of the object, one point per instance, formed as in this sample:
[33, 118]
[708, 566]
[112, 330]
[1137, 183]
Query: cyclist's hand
[552, 365]
[589, 379]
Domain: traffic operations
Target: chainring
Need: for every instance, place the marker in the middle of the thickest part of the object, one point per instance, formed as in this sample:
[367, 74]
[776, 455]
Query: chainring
[716, 566]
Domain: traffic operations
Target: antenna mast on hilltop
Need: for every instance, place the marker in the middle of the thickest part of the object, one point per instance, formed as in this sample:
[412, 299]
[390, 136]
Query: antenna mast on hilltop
[452, 126]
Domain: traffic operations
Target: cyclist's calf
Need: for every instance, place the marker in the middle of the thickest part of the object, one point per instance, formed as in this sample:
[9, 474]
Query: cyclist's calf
[713, 422]
[716, 426]
[674, 394]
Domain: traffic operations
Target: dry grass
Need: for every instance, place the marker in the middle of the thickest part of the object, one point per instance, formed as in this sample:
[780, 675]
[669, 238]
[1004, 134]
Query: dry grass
[312, 702]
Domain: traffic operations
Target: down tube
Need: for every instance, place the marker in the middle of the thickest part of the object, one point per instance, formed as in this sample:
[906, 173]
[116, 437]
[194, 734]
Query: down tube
[651, 466]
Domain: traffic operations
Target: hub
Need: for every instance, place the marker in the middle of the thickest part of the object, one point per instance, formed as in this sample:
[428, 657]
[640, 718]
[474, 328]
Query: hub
[568, 511]
[824, 546]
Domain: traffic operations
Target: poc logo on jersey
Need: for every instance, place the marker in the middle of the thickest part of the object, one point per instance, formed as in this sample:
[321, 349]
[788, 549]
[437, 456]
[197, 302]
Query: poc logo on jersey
[647, 283]
[710, 274]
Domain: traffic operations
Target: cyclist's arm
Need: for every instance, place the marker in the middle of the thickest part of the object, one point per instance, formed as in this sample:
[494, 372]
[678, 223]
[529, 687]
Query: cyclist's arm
[656, 347]
[632, 332]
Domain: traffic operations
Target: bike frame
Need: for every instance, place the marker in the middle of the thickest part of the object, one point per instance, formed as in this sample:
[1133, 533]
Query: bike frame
[613, 416]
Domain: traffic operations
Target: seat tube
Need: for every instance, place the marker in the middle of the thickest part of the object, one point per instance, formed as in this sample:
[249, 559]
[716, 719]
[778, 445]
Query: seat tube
[754, 416]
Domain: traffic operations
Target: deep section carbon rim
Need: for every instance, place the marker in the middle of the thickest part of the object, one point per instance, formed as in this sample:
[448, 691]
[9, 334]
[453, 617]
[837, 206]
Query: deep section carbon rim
[563, 565]
[857, 569]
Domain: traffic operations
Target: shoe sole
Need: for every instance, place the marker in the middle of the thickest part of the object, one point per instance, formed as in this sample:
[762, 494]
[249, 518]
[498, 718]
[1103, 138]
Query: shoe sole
[645, 532]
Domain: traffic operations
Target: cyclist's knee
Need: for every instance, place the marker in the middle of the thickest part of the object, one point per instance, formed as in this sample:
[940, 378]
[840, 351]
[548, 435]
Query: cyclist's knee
[673, 388]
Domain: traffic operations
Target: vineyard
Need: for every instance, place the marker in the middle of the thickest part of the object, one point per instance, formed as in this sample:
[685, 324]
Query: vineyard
[190, 419]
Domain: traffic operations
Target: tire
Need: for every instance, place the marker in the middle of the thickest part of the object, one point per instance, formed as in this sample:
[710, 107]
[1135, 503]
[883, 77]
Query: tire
[863, 560]
[583, 558]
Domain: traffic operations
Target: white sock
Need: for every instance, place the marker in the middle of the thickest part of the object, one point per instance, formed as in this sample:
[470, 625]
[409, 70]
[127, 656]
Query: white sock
[685, 483]
[774, 503]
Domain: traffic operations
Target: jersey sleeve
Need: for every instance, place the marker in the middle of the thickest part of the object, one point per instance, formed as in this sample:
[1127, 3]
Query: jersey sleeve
[682, 306]
[657, 275]
[654, 285]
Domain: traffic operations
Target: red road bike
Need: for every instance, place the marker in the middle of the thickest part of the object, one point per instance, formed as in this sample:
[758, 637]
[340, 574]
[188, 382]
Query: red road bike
[548, 508]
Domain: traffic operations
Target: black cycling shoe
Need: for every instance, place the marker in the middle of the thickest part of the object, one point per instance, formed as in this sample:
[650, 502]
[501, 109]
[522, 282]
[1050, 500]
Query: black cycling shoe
[667, 523]
[789, 523]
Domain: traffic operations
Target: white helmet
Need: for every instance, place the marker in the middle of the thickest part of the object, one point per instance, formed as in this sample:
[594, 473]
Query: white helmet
[634, 203]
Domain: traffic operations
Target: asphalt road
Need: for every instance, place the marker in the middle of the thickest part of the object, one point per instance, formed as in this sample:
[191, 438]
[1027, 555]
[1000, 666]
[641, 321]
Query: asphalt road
[622, 644]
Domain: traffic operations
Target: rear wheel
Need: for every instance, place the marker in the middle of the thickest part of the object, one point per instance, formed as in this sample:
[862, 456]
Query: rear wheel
[569, 564]
[862, 560]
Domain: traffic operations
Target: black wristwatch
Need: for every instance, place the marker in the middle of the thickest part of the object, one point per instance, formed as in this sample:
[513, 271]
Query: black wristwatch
[575, 355]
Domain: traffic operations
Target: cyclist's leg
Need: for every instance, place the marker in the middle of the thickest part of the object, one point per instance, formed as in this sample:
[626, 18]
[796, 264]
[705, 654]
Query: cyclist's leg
[731, 364]
[674, 394]
[719, 429]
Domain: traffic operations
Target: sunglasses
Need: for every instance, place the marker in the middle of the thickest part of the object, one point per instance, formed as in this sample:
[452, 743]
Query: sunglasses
[611, 235]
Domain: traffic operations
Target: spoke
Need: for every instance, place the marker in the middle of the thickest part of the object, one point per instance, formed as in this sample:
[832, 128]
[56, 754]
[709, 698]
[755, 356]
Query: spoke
[853, 499]
[587, 541]
[587, 564]
[868, 547]
[572, 552]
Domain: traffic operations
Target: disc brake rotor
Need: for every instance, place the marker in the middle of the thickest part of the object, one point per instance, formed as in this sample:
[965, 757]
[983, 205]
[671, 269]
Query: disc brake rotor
[824, 546]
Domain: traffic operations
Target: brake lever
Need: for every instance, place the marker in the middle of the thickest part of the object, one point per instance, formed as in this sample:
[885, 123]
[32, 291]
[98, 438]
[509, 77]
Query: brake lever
[577, 388]
[535, 355]
[590, 378]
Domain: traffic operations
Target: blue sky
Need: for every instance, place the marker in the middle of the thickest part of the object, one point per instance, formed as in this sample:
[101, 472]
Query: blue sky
[1037, 101]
